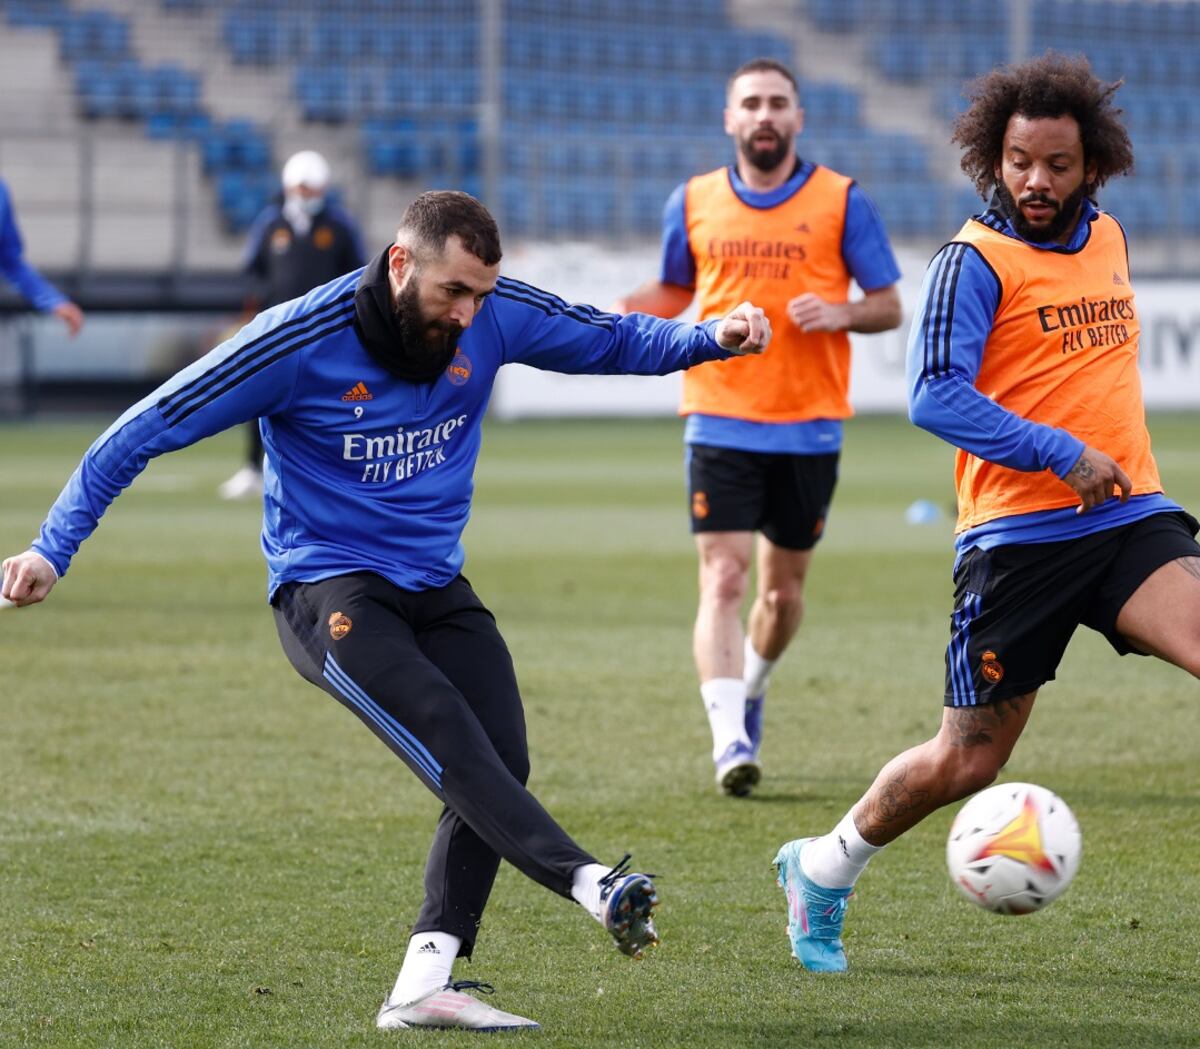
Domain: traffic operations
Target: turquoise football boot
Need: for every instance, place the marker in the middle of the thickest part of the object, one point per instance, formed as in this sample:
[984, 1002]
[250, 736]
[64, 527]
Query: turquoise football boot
[815, 914]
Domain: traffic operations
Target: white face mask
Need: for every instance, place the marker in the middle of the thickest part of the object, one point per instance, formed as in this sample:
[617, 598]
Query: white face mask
[311, 205]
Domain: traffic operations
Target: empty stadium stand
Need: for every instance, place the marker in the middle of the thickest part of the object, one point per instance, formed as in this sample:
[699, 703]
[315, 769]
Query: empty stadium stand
[573, 118]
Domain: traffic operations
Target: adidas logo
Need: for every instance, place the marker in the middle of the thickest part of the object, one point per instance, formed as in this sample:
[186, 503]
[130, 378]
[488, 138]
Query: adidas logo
[358, 392]
[430, 947]
[1117, 278]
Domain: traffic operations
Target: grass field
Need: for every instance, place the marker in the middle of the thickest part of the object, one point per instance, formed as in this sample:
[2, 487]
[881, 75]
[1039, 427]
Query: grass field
[199, 849]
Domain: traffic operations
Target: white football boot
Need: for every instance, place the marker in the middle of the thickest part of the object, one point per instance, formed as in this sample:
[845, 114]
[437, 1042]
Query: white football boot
[450, 1007]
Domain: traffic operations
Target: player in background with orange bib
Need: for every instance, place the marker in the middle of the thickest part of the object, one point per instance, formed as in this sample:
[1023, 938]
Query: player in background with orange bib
[1023, 354]
[763, 441]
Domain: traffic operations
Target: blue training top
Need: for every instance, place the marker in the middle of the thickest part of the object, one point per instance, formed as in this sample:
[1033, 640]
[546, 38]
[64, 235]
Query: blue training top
[42, 295]
[364, 471]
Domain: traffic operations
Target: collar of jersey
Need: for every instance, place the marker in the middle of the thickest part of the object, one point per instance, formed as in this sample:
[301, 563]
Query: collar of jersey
[775, 196]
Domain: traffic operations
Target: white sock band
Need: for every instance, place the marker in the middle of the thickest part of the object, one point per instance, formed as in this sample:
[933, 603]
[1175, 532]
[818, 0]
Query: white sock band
[426, 967]
[585, 888]
[836, 860]
[757, 672]
[725, 700]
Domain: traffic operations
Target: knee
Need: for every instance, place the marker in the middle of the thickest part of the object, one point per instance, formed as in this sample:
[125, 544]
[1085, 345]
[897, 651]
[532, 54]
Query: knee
[784, 602]
[723, 580]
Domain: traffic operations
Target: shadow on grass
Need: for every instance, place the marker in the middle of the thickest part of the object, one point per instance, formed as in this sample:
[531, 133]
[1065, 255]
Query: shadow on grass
[806, 797]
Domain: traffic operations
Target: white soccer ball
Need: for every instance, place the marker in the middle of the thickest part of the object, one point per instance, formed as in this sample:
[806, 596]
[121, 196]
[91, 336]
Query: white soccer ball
[1013, 848]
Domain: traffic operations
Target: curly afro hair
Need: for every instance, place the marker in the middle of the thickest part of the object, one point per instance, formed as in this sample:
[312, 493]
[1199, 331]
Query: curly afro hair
[1053, 85]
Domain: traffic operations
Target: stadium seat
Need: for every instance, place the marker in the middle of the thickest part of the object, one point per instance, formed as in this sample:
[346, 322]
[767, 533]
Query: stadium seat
[836, 16]
[37, 14]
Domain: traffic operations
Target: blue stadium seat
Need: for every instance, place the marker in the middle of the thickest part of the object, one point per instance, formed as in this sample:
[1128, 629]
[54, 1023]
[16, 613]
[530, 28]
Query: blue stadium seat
[236, 145]
[242, 195]
[256, 37]
[395, 146]
[191, 127]
[324, 93]
[910, 209]
[837, 16]
[37, 14]
[1141, 207]
[906, 59]
[517, 212]
[964, 203]
[97, 35]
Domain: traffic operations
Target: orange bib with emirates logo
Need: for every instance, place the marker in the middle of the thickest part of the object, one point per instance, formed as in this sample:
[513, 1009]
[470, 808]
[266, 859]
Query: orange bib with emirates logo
[769, 256]
[1063, 351]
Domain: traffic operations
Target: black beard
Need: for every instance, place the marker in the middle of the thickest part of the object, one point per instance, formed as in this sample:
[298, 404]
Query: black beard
[1067, 213]
[424, 355]
[765, 159]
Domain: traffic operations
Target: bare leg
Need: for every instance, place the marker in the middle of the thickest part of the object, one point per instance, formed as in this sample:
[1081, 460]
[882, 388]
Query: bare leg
[724, 574]
[1163, 615]
[966, 755]
[779, 604]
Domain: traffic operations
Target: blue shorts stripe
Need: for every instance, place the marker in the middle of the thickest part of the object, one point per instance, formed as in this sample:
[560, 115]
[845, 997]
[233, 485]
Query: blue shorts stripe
[956, 660]
[962, 681]
[379, 717]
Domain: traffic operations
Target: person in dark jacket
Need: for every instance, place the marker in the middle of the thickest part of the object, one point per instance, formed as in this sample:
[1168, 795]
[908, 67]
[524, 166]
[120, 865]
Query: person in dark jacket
[296, 244]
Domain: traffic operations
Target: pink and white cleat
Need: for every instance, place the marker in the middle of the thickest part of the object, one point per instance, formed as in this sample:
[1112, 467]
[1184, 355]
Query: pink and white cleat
[450, 1007]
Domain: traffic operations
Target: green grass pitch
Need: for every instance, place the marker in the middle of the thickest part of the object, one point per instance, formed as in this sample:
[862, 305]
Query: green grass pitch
[199, 849]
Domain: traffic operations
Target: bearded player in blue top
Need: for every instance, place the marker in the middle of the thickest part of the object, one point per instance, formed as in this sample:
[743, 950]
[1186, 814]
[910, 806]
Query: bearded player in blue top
[371, 390]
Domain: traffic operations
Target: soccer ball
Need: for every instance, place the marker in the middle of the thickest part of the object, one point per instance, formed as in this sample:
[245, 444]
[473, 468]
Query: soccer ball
[1013, 848]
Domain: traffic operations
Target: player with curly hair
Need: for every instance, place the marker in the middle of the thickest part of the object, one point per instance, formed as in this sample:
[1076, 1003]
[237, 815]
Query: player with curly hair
[1023, 354]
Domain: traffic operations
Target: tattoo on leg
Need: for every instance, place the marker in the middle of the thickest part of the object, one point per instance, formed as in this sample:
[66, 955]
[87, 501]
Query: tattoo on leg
[972, 726]
[891, 801]
[1191, 565]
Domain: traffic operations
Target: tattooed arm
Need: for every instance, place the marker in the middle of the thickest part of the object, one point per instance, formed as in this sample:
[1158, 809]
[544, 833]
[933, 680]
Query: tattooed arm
[1093, 478]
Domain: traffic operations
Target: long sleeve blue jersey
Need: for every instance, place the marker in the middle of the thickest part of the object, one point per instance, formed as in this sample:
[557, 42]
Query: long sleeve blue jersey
[42, 295]
[364, 471]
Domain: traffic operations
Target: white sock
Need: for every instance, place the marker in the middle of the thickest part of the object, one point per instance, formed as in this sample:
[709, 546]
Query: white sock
[426, 966]
[836, 860]
[757, 672]
[585, 888]
[725, 700]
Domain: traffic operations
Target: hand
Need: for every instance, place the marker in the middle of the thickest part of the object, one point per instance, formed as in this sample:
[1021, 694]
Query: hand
[71, 315]
[745, 330]
[810, 312]
[27, 578]
[1093, 478]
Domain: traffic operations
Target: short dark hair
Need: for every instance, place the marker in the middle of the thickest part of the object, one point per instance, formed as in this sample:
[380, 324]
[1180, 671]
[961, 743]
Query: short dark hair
[434, 217]
[1053, 85]
[763, 65]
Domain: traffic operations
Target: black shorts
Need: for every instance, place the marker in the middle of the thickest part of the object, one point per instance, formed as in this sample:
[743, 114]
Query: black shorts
[1016, 606]
[786, 497]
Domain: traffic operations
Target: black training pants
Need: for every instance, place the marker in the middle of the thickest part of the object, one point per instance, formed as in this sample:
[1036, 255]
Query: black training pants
[428, 672]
